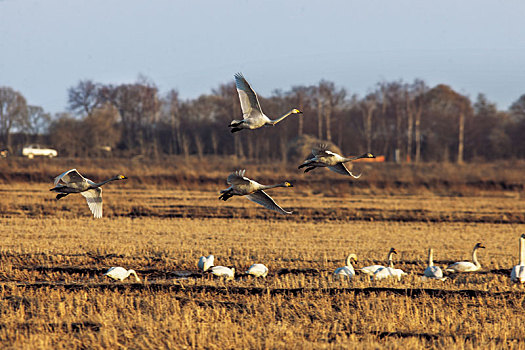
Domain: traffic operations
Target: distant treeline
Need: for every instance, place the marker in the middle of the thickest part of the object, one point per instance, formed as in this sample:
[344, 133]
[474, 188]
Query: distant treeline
[403, 121]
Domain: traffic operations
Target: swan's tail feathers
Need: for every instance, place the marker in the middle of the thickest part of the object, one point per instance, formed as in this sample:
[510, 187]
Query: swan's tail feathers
[235, 130]
[61, 195]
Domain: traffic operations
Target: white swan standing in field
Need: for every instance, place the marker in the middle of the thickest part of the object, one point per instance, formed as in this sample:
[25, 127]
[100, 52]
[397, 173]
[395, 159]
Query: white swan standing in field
[518, 272]
[72, 182]
[348, 270]
[253, 116]
[370, 270]
[257, 270]
[223, 271]
[467, 266]
[254, 191]
[322, 157]
[120, 273]
[433, 271]
[205, 262]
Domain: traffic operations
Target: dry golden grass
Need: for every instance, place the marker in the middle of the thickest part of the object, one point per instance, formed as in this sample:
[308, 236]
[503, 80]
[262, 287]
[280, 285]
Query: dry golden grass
[53, 255]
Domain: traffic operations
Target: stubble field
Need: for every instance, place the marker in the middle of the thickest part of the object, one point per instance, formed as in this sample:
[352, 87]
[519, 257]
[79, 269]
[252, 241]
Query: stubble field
[53, 255]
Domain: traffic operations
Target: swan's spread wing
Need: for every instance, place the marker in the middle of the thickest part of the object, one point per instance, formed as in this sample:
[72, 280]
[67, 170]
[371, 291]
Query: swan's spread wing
[94, 201]
[320, 150]
[340, 168]
[260, 197]
[247, 96]
[70, 176]
[237, 178]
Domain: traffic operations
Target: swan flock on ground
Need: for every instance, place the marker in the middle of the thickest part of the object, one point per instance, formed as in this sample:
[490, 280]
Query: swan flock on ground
[71, 181]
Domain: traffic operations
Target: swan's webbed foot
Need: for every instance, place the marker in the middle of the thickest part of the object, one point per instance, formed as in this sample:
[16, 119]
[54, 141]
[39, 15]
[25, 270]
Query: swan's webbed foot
[61, 195]
[235, 130]
[225, 196]
[309, 169]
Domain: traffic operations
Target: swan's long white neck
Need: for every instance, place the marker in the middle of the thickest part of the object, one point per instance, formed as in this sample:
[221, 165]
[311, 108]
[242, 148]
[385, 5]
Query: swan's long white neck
[522, 250]
[475, 257]
[431, 257]
[354, 158]
[349, 259]
[389, 259]
[275, 121]
[265, 187]
[98, 184]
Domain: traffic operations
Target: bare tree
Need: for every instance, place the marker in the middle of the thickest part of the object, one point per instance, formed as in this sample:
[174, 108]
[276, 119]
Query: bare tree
[84, 97]
[37, 121]
[13, 113]
[367, 106]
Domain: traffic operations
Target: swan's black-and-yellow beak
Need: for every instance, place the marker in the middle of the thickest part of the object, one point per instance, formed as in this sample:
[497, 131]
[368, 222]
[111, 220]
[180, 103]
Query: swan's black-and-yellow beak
[296, 111]
[287, 184]
[370, 155]
[122, 177]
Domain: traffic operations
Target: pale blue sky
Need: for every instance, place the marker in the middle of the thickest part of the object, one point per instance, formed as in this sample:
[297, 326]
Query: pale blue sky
[47, 46]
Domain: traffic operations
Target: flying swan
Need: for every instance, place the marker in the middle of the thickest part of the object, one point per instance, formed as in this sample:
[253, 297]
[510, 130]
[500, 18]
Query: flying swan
[253, 116]
[254, 191]
[72, 182]
[322, 157]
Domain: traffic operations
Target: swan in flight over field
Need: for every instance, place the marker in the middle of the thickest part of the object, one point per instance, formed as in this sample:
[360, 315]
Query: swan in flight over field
[257, 270]
[120, 273]
[254, 191]
[518, 272]
[253, 116]
[348, 270]
[72, 182]
[370, 270]
[322, 157]
[206, 262]
[433, 271]
[223, 271]
[467, 266]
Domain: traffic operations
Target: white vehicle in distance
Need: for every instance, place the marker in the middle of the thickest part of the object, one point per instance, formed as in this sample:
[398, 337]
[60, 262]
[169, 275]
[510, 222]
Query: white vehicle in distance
[30, 151]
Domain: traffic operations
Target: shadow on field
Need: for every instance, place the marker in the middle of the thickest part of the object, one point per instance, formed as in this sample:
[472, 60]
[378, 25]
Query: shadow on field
[171, 287]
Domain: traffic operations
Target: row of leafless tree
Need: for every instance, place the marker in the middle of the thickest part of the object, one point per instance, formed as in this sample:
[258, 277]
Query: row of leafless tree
[403, 121]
